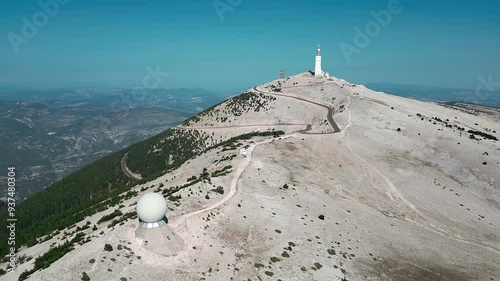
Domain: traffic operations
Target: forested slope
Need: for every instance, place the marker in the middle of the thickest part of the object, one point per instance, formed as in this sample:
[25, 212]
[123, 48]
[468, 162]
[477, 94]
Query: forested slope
[98, 185]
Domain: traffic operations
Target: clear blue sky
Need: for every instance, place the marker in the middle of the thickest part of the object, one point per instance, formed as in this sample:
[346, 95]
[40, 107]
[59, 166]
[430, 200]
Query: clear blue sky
[110, 43]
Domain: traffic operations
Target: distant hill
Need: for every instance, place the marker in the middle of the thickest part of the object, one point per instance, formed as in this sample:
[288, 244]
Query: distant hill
[181, 99]
[50, 134]
[435, 94]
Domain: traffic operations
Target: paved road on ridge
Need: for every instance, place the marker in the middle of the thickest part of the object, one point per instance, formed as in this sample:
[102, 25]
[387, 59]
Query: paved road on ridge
[329, 116]
[239, 126]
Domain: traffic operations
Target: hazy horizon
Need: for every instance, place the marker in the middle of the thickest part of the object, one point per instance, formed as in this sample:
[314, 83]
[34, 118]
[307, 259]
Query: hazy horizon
[237, 89]
[225, 46]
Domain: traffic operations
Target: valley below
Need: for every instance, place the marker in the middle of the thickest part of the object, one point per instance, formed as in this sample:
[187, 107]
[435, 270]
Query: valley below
[49, 135]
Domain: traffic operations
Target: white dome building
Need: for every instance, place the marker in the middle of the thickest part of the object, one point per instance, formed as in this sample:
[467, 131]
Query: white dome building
[153, 232]
[151, 209]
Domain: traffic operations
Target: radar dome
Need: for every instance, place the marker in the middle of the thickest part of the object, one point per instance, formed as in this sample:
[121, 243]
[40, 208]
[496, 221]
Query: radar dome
[151, 207]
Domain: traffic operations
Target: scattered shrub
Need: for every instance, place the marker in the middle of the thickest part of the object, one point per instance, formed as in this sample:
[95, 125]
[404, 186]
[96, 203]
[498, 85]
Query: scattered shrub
[219, 190]
[85, 276]
[110, 216]
[258, 265]
[108, 248]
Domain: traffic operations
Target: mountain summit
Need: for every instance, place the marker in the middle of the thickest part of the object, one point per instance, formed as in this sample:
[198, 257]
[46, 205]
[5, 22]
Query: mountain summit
[302, 178]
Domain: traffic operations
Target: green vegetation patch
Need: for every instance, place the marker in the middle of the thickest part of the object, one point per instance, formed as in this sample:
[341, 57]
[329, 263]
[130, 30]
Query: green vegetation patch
[108, 248]
[85, 276]
[269, 273]
[275, 259]
[484, 135]
[222, 172]
[110, 216]
[165, 152]
[318, 265]
[123, 218]
[174, 198]
[219, 190]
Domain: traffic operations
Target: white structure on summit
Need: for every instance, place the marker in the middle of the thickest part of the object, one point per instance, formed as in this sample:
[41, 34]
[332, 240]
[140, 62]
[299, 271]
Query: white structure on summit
[318, 72]
[153, 232]
[243, 150]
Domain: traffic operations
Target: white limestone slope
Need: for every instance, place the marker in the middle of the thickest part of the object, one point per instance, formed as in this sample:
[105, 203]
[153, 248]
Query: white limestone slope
[368, 203]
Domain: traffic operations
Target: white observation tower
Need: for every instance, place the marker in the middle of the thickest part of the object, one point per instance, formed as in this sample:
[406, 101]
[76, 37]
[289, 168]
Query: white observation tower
[317, 68]
[318, 72]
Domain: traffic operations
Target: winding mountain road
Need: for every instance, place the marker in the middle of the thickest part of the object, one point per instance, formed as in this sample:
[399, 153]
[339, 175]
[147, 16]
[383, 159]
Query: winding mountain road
[329, 116]
[180, 220]
[239, 126]
[177, 221]
[127, 171]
